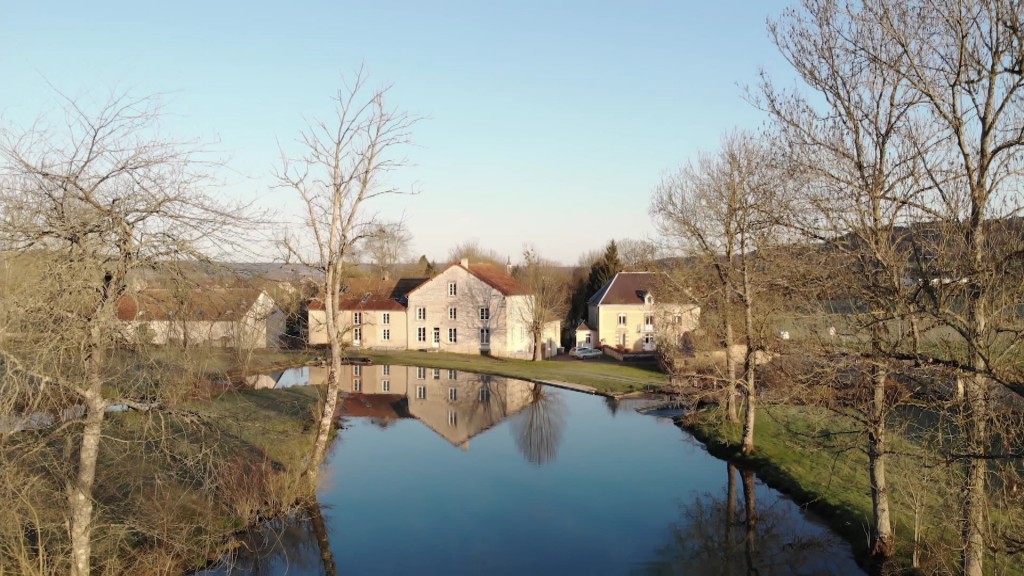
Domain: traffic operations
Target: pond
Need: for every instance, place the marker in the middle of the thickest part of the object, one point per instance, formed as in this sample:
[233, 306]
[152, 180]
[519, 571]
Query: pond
[447, 472]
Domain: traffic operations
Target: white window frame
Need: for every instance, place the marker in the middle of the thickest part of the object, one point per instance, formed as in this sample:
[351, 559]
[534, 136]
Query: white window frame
[421, 334]
[357, 318]
[357, 385]
[421, 312]
[357, 334]
[453, 418]
[649, 317]
[421, 373]
[385, 385]
[453, 393]
[437, 373]
[385, 318]
[622, 319]
[357, 370]
[452, 289]
[453, 313]
[421, 392]
[485, 336]
[453, 374]
[437, 335]
[385, 334]
[386, 369]
[453, 335]
[485, 313]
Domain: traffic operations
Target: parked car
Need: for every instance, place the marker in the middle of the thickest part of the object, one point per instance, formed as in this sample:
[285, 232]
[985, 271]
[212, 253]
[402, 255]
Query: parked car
[584, 353]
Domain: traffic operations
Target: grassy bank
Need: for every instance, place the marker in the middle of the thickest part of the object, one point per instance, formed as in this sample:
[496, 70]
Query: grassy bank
[606, 376]
[815, 457]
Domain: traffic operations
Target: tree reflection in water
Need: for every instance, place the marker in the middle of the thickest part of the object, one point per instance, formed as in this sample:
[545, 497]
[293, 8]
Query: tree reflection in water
[713, 538]
[537, 429]
[283, 546]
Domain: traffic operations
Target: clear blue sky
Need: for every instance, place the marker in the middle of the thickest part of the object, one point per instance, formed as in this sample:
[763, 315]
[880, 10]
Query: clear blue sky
[548, 122]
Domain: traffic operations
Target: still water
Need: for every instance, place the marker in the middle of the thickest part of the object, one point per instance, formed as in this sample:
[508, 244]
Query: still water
[445, 472]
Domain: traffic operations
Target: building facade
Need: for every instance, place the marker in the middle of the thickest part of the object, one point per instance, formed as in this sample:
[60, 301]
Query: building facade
[626, 315]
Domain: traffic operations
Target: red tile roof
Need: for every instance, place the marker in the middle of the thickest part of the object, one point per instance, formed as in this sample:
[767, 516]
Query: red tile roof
[372, 294]
[200, 304]
[497, 278]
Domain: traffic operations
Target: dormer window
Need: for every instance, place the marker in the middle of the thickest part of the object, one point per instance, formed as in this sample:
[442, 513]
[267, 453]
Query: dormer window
[648, 299]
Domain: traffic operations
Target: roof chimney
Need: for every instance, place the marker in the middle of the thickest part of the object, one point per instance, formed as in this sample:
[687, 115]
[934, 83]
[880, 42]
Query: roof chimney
[508, 265]
[464, 262]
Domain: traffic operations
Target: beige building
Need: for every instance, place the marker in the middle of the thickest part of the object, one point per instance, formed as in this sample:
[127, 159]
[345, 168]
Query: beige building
[227, 317]
[467, 309]
[626, 314]
[373, 314]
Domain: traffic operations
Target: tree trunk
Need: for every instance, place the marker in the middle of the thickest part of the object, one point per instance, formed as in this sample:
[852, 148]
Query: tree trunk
[730, 369]
[316, 519]
[882, 545]
[750, 507]
[538, 345]
[974, 498]
[326, 423]
[749, 362]
[80, 492]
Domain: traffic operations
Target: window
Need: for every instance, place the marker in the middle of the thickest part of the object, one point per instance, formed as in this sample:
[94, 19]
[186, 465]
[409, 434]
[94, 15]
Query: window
[386, 369]
[421, 392]
[485, 313]
[648, 340]
[453, 374]
[485, 335]
[586, 340]
[649, 319]
[622, 319]
[385, 385]
[437, 373]
[452, 313]
[421, 313]
[485, 394]
[421, 334]
[385, 334]
[437, 335]
[451, 289]
[357, 370]
[453, 336]
[357, 335]
[453, 418]
[357, 385]
[677, 318]
[453, 394]
[357, 317]
[421, 373]
[385, 318]
[622, 339]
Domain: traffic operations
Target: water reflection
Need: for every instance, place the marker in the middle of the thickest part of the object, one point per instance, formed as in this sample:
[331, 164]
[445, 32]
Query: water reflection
[295, 545]
[713, 538]
[455, 405]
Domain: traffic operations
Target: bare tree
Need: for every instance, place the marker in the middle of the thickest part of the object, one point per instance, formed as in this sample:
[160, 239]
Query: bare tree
[94, 199]
[962, 59]
[342, 169]
[859, 153]
[471, 250]
[722, 210]
[547, 297]
[386, 246]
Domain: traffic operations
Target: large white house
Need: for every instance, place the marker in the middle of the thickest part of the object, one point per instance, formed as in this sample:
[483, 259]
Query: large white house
[467, 308]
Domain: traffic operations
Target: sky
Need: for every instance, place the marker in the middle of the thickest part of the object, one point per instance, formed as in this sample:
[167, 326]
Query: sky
[543, 123]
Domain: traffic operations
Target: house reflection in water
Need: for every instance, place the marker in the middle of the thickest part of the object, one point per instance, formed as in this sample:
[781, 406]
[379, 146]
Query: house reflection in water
[455, 405]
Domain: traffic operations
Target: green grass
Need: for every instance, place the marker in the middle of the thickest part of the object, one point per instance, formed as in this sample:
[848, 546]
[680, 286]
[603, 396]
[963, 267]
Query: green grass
[814, 456]
[608, 377]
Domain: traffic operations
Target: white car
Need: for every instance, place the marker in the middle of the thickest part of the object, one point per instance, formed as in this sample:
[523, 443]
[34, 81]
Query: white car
[584, 353]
